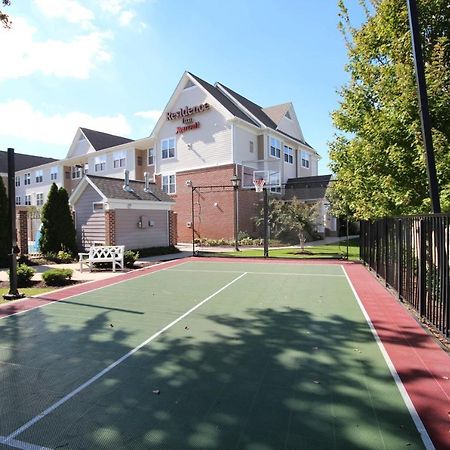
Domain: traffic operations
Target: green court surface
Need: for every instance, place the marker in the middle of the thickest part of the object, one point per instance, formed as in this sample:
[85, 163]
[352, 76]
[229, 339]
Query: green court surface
[278, 356]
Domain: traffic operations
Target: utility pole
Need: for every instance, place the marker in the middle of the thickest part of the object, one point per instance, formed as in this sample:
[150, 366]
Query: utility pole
[423, 106]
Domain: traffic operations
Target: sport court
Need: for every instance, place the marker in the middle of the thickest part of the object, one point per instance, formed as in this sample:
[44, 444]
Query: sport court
[203, 354]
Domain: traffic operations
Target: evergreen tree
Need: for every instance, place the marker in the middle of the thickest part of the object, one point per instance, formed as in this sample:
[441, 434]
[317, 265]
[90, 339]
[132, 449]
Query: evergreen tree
[49, 240]
[378, 156]
[5, 241]
[67, 232]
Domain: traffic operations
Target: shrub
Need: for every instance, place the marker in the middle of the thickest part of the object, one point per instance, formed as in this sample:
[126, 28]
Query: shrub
[24, 275]
[57, 277]
[129, 258]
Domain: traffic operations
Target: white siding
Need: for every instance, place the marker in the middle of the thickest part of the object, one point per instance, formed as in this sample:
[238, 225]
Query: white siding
[128, 233]
[242, 138]
[210, 144]
[90, 226]
[110, 171]
[82, 147]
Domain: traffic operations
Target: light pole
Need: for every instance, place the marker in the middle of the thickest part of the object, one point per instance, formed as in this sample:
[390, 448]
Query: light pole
[235, 182]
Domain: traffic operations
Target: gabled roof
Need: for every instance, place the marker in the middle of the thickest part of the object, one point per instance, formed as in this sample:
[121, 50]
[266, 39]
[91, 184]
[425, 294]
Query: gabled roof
[221, 98]
[100, 140]
[112, 188]
[22, 161]
[307, 188]
[277, 112]
[253, 108]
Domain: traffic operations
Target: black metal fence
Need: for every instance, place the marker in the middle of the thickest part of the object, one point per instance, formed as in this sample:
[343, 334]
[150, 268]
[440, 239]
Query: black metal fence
[412, 255]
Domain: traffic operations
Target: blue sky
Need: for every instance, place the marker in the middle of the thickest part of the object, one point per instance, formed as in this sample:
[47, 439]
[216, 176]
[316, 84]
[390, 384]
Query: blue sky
[112, 65]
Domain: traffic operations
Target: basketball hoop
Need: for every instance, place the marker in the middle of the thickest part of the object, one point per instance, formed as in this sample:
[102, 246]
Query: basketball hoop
[259, 184]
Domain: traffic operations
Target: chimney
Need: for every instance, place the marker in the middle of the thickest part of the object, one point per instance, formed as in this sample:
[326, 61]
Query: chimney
[146, 182]
[126, 176]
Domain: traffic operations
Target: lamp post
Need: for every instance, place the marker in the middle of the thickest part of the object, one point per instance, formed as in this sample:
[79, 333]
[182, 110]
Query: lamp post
[235, 182]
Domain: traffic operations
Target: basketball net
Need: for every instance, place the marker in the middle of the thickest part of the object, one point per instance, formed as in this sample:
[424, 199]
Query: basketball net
[259, 184]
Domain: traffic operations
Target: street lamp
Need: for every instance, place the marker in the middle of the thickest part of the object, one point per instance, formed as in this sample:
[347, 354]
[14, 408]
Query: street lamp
[235, 182]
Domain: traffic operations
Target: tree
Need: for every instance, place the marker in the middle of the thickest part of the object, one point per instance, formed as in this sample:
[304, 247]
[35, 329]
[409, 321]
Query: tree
[5, 240]
[58, 231]
[4, 18]
[293, 215]
[378, 155]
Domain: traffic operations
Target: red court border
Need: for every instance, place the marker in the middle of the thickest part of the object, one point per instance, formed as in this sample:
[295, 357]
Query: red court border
[422, 365]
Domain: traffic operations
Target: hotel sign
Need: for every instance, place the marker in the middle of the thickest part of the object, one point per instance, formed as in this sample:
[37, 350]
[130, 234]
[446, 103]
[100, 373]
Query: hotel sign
[185, 114]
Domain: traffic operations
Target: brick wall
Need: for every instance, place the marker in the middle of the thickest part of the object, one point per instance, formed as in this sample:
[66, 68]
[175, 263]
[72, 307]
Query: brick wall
[22, 231]
[173, 233]
[110, 227]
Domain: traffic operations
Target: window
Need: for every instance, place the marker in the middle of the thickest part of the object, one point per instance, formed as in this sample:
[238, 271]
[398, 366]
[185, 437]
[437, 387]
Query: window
[86, 168]
[275, 148]
[18, 200]
[76, 172]
[54, 173]
[168, 148]
[251, 149]
[305, 159]
[288, 154]
[27, 200]
[151, 156]
[39, 199]
[17, 181]
[120, 160]
[38, 175]
[168, 184]
[27, 179]
[275, 190]
[100, 163]
[98, 207]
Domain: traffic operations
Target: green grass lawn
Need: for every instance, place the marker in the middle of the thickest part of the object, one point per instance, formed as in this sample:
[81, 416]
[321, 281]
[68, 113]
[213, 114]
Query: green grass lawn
[318, 251]
[27, 291]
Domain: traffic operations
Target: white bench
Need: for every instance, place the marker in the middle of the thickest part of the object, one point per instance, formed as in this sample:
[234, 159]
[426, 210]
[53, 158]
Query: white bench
[104, 253]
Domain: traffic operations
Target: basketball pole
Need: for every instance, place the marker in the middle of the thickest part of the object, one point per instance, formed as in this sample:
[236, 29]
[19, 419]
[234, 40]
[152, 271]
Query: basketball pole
[266, 223]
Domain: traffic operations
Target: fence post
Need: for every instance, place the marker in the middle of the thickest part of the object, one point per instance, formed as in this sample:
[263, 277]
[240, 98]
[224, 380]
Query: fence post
[422, 267]
[399, 259]
[386, 251]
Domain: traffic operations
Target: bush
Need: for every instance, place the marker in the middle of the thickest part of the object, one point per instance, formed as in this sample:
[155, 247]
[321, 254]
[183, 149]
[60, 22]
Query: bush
[57, 277]
[157, 251]
[59, 258]
[129, 258]
[24, 275]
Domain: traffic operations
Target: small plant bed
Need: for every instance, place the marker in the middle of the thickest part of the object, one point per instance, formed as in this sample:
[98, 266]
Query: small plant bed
[35, 288]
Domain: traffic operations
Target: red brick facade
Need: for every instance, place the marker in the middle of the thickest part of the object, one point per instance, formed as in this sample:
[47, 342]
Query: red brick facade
[173, 222]
[214, 211]
[110, 227]
[22, 231]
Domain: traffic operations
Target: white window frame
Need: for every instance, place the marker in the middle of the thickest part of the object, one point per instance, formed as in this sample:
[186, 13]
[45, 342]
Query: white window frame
[54, 173]
[275, 190]
[305, 160]
[169, 183]
[151, 156]
[100, 163]
[17, 180]
[27, 179]
[98, 207]
[274, 150]
[39, 176]
[169, 148]
[76, 172]
[18, 200]
[39, 199]
[27, 200]
[288, 153]
[119, 160]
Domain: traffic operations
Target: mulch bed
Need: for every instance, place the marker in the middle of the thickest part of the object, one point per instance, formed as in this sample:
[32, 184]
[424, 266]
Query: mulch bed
[40, 284]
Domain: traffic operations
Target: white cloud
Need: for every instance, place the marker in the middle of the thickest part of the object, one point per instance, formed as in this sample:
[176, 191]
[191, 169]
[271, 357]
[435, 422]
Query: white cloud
[70, 10]
[122, 9]
[22, 55]
[126, 17]
[153, 114]
[19, 119]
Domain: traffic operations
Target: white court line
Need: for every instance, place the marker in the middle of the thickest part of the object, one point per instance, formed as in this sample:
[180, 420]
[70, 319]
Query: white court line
[260, 273]
[403, 392]
[51, 302]
[21, 444]
[114, 364]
